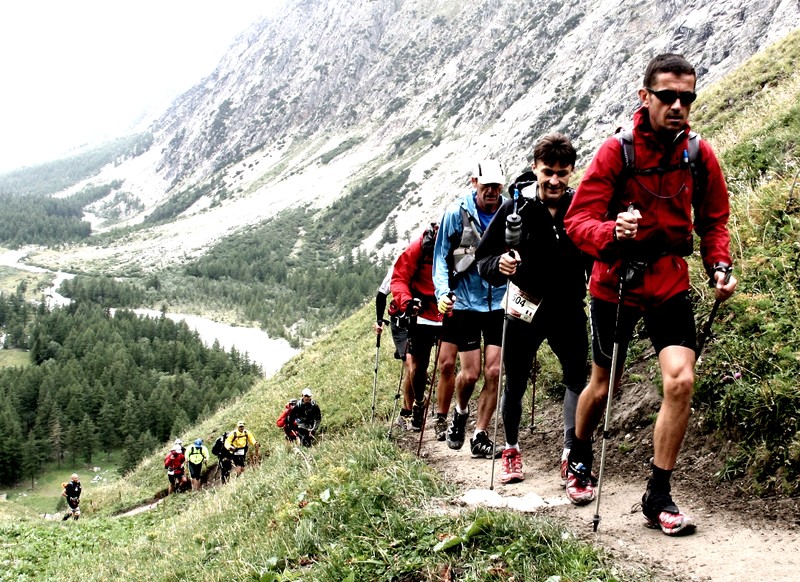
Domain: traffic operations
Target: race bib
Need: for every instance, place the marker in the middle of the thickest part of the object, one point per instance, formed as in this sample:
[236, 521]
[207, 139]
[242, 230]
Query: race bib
[239, 452]
[519, 304]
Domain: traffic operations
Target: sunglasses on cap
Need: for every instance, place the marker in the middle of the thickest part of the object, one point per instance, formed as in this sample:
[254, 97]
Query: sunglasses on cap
[668, 96]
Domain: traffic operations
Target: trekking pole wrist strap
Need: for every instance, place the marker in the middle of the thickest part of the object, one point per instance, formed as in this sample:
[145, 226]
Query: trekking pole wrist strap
[719, 267]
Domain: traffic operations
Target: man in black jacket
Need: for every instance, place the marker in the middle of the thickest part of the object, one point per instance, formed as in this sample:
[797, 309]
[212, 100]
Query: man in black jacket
[72, 491]
[304, 418]
[547, 287]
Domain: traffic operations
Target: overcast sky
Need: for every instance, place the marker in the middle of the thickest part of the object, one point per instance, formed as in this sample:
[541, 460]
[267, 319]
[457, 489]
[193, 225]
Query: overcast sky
[82, 71]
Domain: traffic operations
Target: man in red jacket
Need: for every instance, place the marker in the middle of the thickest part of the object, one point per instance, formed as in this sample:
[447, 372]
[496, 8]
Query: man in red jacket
[635, 217]
[414, 305]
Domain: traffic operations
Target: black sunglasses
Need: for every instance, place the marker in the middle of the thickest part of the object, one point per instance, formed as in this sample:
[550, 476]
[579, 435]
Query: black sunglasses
[668, 96]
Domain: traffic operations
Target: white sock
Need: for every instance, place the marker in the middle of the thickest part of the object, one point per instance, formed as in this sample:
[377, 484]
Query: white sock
[516, 446]
[460, 411]
[476, 433]
[565, 455]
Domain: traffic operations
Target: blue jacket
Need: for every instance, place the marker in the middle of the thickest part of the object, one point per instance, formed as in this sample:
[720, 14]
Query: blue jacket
[472, 292]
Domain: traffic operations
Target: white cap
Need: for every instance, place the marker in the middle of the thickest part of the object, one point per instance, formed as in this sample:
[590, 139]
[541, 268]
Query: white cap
[178, 442]
[489, 172]
[307, 392]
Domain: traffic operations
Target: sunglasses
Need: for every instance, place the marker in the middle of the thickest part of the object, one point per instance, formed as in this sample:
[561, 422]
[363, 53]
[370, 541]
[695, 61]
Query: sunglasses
[668, 96]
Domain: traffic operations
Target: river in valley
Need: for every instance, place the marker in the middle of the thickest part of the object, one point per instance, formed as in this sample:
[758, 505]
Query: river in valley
[267, 352]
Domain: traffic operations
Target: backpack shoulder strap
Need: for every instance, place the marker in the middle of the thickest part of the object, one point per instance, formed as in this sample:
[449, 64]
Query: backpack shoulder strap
[625, 139]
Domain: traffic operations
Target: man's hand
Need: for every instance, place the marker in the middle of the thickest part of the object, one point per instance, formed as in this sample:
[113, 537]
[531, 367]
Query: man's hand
[412, 307]
[508, 263]
[626, 225]
[378, 326]
[446, 303]
[722, 289]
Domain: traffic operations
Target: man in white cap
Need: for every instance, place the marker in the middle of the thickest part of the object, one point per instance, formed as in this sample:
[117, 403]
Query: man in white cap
[472, 308]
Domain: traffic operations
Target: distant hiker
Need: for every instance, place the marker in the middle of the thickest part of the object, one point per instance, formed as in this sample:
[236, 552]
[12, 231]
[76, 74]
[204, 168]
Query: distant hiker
[238, 443]
[173, 463]
[196, 456]
[305, 417]
[634, 211]
[477, 311]
[72, 491]
[224, 457]
[413, 307]
[547, 278]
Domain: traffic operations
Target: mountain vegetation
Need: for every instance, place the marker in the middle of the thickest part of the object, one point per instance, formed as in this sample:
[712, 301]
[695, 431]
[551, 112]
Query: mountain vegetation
[97, 383]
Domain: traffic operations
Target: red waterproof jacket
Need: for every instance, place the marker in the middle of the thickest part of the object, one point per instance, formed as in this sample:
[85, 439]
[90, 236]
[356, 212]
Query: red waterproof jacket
[665, 202]
[412, 277]
[174, 461]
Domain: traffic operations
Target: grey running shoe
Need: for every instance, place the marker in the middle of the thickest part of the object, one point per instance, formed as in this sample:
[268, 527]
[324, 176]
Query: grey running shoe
[404, 422]
[455, 434]
[440, 428]
[483, 447]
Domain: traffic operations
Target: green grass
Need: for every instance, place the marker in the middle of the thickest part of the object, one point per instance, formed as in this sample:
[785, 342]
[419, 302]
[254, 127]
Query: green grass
[14, 358]
[45, 496]
[354, 507]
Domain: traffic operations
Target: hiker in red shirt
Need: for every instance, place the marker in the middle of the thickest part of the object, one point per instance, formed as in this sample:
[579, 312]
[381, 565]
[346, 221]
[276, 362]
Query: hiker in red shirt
[173, 463]
[633, 212]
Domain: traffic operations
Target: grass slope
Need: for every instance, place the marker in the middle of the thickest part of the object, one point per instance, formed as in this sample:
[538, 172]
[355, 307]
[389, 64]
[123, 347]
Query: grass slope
[354, 507]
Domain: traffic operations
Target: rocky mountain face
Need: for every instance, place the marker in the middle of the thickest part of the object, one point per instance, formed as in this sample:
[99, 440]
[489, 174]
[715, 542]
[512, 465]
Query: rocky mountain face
[309, 104]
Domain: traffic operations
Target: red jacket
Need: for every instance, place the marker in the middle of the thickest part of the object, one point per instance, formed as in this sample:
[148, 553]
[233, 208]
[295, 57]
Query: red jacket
[665, 203]
[174, 461]
[412, 277]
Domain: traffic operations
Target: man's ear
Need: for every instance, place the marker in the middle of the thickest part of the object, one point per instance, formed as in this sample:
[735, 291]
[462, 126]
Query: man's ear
[644, 97]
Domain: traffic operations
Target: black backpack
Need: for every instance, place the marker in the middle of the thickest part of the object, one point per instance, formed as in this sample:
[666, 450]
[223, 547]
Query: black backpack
[219, 445]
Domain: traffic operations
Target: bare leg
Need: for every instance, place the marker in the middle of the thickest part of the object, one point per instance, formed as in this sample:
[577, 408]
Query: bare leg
[677, 371]
[447, 377]
[487, 400]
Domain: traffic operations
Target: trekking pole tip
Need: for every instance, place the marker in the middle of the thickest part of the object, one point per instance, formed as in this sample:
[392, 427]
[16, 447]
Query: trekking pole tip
[595, 523]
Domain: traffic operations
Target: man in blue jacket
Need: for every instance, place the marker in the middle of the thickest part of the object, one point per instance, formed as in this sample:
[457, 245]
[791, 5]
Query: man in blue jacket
[472, 308]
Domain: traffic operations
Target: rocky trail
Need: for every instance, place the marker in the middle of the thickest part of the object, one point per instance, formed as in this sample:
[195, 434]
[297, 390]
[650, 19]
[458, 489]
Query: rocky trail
[738, 537]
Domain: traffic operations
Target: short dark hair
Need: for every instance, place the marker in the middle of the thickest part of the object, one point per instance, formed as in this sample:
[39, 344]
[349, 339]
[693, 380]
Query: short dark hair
[555, 148]
[667, 63]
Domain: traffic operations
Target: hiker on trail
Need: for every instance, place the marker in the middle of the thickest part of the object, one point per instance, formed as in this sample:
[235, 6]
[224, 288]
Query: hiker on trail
[548, 274]
[303, 419]
[471, 307]
[179, 443]
[224, 457]
[173, 463]
[72, 491]
[414, 308]
[238, 442]
[196, 456]
[400, 339]
[633, 213]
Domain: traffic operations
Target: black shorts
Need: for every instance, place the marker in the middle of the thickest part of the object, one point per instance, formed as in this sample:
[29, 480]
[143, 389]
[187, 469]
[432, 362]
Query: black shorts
[175, 478]
[668, 324]
[464, 329]
[399, 337]
[238, 459]
[421, 338]
[195, 470]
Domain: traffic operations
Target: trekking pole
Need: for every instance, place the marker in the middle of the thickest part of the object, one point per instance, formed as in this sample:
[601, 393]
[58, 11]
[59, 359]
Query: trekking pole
[375, 379]
[430, 392]
[512, 237]
[706, 331]
[534, 373]
[611, 383]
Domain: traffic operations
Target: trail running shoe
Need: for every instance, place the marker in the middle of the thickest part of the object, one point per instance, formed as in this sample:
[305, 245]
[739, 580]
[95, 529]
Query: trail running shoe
[440, 428]
[483, 447]
[455, 434]
[511, 471]
[661, 512]
[405, 422]
[417, 416]
[579, 488]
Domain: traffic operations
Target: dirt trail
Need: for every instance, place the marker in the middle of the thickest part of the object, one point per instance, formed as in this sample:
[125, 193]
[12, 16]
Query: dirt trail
[737, 538]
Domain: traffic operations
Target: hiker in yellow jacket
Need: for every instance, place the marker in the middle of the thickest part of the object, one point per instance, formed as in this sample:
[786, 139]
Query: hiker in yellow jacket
[237, 443]
[196, 455]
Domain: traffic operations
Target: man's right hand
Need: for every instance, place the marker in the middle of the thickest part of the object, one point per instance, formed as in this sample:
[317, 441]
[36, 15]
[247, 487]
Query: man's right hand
[378, 327]
[508, 263]
[446, 303]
